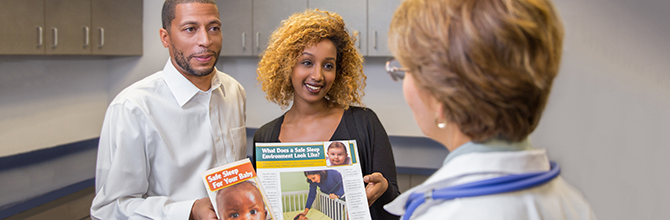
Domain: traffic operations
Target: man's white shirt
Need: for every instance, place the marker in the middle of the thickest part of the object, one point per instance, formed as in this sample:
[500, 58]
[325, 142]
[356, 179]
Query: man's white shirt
[158, 135]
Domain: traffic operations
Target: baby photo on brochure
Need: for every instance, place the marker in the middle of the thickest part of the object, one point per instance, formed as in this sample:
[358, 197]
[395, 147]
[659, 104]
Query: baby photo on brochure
[236, 192]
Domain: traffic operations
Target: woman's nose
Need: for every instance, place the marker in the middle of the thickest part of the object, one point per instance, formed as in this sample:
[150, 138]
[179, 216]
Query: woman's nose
[317, 74]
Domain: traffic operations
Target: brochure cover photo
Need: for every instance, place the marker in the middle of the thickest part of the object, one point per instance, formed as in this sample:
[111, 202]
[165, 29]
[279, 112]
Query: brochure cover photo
[236, 192]
[313, 180]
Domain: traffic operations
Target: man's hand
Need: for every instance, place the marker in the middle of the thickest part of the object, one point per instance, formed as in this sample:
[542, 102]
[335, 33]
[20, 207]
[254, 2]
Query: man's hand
[203, 210]
[376, 186]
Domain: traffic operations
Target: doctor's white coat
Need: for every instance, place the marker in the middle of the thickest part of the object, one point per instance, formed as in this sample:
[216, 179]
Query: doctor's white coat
[553, 200]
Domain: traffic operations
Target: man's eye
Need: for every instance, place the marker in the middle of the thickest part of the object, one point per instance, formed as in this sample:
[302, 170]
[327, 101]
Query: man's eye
[189, 29]
[215, 28]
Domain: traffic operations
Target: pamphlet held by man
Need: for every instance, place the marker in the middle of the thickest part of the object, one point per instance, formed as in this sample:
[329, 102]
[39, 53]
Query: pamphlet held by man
[313, 180]
[236, 192]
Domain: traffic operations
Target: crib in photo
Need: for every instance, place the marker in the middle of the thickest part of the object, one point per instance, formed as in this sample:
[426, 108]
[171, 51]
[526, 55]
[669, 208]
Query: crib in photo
[323, 207]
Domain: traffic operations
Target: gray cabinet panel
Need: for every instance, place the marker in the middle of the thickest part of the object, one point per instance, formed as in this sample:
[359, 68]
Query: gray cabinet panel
[236, 27]
[66, 23]
[380, 13]
[354, 13]
[20, 31]
[268, 15]
[116, 27]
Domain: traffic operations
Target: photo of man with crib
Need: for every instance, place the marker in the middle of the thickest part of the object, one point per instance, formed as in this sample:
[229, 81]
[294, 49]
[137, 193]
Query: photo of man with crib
[304, 201]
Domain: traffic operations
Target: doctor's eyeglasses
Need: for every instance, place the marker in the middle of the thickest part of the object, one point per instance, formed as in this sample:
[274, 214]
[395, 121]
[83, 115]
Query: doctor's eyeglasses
[393, 68]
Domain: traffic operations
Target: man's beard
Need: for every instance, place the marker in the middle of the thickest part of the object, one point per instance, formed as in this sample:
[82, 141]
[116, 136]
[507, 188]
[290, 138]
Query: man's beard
[185, 65]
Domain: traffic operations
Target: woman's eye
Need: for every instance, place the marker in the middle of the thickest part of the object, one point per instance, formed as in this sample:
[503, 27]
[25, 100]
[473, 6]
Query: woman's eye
[306, 63]
[329, 66]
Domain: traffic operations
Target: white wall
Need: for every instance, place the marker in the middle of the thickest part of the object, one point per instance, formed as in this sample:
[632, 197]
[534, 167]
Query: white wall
[607, 120]
[606, 123]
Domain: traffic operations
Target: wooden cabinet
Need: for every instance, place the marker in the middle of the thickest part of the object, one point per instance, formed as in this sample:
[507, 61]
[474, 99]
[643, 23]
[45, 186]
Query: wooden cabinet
[248, 24]
[236, 27]
[71, 27]
[268, 15]
[380, 14]
[116, 27]
[354, 13]
[67, 26]
[21, 32]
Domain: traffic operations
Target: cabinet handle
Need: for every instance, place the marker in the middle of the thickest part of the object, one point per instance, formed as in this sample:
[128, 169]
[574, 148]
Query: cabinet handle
[55, 31]
[375, 40]
[87, 39]
[102, 37]
[39, 37]
[258, 40]
[244, 37]
[359, 40]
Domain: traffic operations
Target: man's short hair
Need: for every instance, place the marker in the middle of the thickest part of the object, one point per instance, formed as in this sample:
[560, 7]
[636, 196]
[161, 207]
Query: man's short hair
[170, 6]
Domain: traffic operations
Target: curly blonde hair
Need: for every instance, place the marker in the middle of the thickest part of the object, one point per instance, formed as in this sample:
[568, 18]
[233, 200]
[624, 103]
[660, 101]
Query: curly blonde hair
[302, 30]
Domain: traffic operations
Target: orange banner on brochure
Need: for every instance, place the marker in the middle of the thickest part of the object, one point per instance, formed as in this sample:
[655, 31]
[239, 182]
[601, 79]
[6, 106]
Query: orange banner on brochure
[286, 164]
[223, 178]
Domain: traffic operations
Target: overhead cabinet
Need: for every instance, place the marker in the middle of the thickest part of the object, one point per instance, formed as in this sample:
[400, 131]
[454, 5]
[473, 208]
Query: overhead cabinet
[71, 27]
[248, 24]
[353, 13]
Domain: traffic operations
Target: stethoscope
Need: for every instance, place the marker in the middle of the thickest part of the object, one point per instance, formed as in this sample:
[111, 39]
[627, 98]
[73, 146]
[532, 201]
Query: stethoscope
[497, 185]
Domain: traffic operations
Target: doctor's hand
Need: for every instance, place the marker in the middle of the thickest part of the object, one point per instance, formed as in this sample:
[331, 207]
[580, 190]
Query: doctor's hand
[202, 210]
[375, 186]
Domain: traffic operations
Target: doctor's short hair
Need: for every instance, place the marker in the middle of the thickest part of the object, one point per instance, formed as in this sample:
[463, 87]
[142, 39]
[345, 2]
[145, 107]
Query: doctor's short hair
[169, 8]
[490, 63]
[303, 30]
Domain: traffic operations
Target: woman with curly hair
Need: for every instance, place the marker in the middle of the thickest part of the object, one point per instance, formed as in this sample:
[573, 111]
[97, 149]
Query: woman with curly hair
[313, 65]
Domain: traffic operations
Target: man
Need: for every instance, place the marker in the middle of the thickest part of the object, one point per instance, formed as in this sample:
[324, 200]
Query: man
[160, 133]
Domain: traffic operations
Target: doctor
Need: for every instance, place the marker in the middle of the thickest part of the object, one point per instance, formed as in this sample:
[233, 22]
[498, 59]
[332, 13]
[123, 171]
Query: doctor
[477, 75]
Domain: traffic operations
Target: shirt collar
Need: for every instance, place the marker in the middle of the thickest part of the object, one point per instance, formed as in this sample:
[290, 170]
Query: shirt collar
[493, 145]
[182, 89]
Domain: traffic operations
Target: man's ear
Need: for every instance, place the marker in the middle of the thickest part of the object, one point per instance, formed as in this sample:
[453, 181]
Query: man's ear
[165, 37]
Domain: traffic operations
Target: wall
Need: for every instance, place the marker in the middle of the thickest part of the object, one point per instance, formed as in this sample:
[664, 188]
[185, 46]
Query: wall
[606, 123]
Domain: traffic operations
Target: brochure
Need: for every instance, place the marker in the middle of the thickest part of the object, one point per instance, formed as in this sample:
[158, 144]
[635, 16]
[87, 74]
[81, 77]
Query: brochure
[236, 192]
[313, 180]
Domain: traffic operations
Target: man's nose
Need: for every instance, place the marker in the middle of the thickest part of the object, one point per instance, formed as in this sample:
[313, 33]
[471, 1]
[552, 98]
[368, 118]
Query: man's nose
[203, 38]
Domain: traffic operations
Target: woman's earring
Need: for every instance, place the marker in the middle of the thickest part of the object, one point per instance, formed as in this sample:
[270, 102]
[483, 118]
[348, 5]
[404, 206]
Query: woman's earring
[440, 125]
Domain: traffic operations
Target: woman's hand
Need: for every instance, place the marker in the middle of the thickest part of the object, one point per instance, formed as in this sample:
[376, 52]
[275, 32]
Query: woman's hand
[376, 186]
[333, 196]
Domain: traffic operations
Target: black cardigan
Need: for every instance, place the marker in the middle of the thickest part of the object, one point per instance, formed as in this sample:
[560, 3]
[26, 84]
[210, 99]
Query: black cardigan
[374, 149]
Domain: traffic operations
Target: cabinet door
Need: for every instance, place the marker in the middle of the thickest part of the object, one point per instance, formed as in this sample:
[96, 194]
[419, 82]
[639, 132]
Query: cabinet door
[67, 22]
[236, 27]
[354, 13]
[116, 27]
[379, 19]
[268, 15]
[21, 32]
